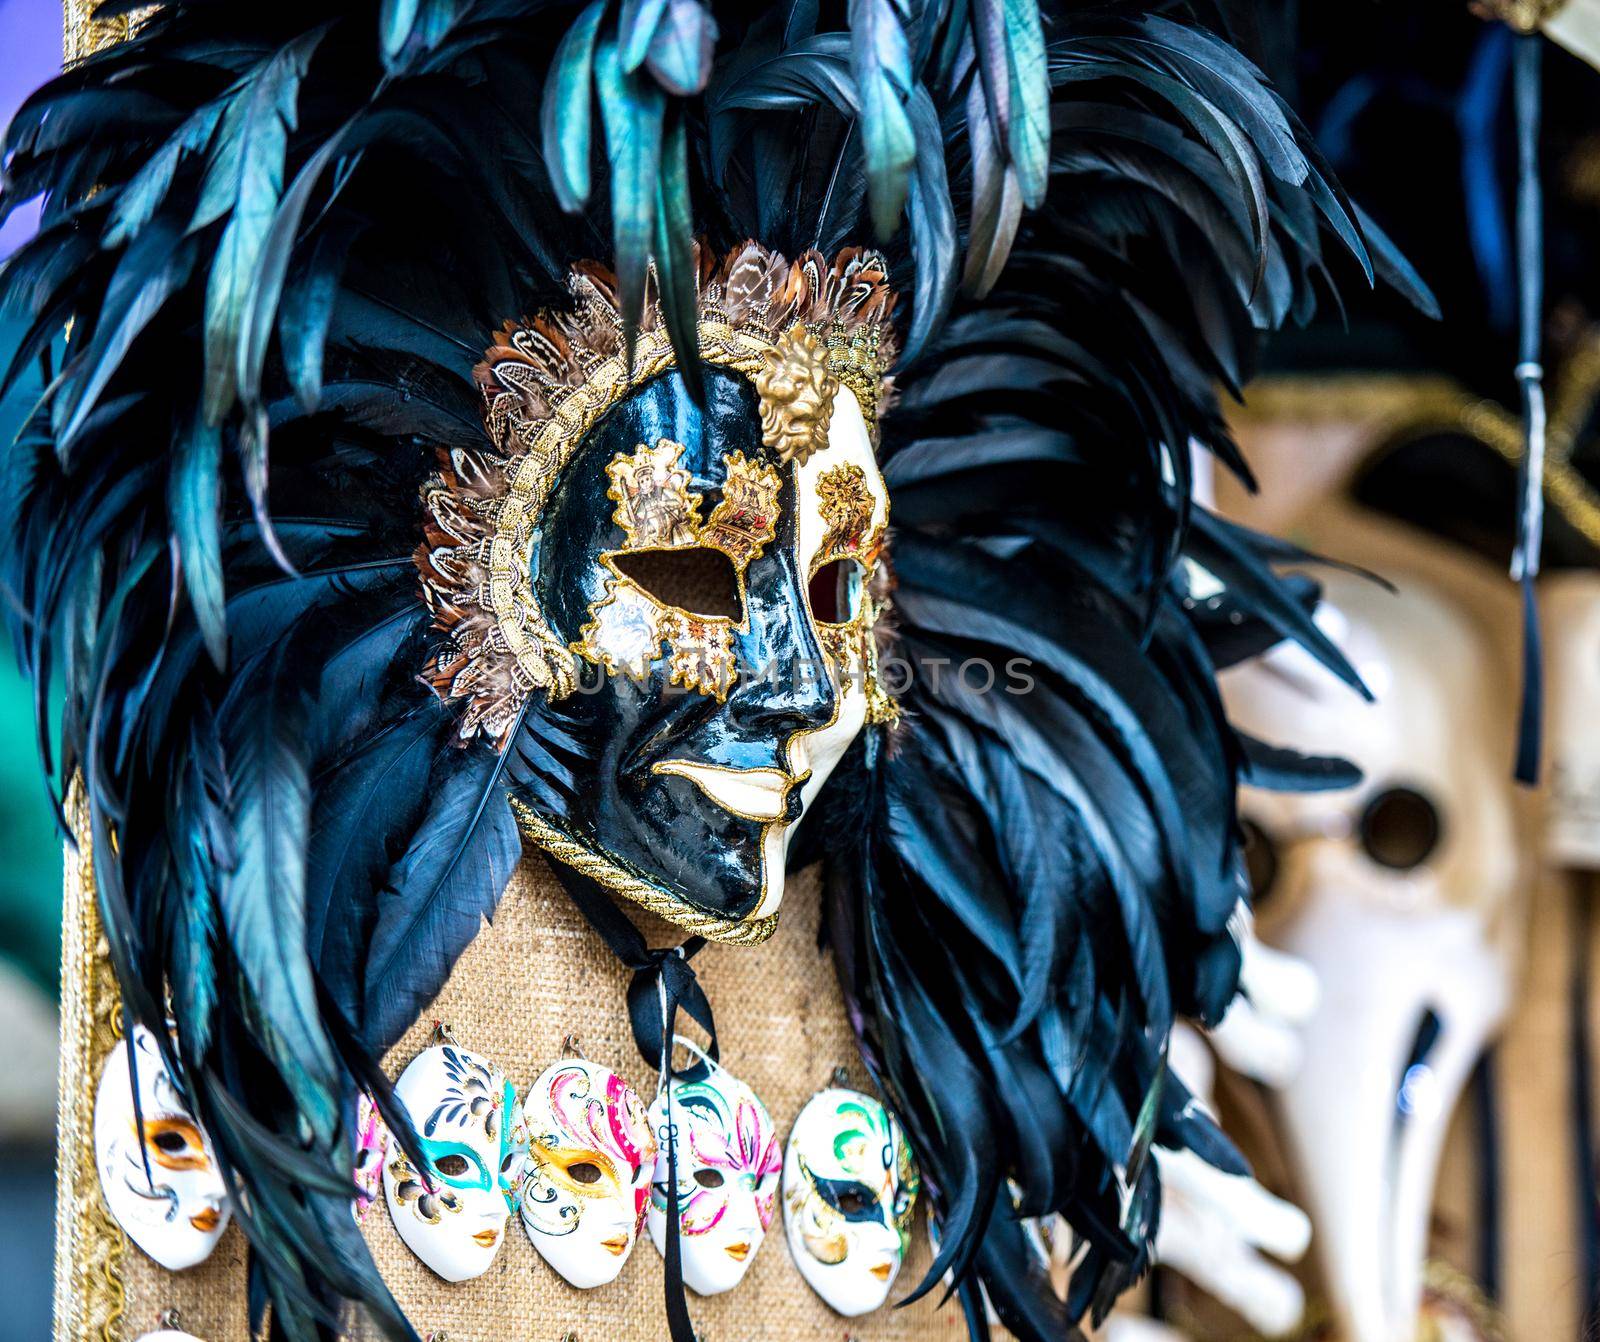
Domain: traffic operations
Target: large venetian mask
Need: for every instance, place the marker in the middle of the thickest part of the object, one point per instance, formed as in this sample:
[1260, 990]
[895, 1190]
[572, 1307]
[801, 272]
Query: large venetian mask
[729, 1161]
[686, 592]
[160, 1180]
[849, 1191]
[468, 1120]
[589, 1166]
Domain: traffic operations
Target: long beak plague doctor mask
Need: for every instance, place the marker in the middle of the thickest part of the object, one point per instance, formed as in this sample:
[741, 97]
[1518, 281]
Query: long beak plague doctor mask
[1399, 894]
[664, 607]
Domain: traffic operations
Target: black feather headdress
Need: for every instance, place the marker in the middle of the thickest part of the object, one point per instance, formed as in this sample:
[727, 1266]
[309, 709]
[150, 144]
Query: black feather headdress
[276, 240]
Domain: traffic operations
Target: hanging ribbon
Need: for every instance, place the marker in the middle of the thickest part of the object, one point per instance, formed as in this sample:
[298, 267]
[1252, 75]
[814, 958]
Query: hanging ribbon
[1530, 382]
[663, 982]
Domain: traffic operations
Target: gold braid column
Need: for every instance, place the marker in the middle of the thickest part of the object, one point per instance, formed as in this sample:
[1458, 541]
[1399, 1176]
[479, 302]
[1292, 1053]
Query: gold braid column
[89, 1245]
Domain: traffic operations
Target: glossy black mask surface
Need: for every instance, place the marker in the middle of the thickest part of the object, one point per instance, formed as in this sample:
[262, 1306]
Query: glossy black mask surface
[598, 747]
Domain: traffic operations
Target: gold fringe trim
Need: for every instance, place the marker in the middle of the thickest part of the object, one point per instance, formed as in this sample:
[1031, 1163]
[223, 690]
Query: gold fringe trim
[90, 1246]
[603, 870]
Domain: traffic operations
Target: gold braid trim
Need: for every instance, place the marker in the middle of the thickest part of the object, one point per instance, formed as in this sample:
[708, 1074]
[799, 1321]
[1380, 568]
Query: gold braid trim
[599, 868]
[90, 1246]
[1403, 408]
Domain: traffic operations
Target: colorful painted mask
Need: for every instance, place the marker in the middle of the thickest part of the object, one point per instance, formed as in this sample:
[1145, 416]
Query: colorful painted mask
[372, 1146]
[453, 1214]
[849, 1190]
[729, 1163]
[692, 594]
[162, 1182]
[588, 1175]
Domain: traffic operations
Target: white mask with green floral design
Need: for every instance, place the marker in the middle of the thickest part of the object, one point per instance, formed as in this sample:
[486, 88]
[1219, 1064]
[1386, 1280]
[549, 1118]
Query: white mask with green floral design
[849, 1189]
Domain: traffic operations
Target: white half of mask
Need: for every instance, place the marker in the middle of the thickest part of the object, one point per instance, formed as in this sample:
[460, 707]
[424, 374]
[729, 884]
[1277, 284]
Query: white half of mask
[591, 1155]
[467, 1117]
[729, 1164]
[161, 1183]
[1401, 894]
[849, 1190]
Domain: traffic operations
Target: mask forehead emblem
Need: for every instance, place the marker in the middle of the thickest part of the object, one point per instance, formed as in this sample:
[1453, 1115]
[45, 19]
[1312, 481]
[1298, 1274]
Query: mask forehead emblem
[849, 1195]
[588, 1174]
[159, 1178]
[729, 1165]
[452, 1214]
[679, 596]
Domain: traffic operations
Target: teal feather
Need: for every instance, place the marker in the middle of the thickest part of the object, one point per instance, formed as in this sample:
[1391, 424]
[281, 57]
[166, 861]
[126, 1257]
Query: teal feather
[244, 181]
[880, 63]
[566, 116]
[194, 503]
[633, 110]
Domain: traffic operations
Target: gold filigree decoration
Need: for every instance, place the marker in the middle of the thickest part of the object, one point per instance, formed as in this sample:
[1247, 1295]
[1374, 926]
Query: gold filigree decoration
[656, 511]
[702, 654]
[90, 1247]
[797, 392]
[746, 517]
[611, 874]
[846, 506]
[545, 383]
[651, 490]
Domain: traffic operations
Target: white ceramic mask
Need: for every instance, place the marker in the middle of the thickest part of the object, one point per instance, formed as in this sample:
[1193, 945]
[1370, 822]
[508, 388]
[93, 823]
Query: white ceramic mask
[1401, 895]
[468, 1120]
[591, 1155]
[849, 1189]
[372, 1146]
[729, 1162]
[161, 1184]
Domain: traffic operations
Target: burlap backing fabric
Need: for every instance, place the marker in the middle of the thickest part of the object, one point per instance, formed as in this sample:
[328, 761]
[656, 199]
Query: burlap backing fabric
[533, 977]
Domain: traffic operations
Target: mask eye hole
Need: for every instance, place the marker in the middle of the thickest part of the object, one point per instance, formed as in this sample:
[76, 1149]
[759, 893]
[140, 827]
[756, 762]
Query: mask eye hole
[170, 1142]
[708, 1178]
[584, 1172]
[834, 591]
[852, 1202]
[699, 579]
[1260, 862]
[452, 1167]
[1400, 828]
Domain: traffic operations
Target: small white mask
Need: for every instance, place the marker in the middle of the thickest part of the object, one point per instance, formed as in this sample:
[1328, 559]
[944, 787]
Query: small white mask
[470, 1126]
[729, 1162]
[849, 1188]
[590, 1158]
[161, 1184]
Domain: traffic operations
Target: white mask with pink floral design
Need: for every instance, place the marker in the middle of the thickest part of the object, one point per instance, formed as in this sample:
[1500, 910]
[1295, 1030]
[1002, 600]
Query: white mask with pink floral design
[729, 1165]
